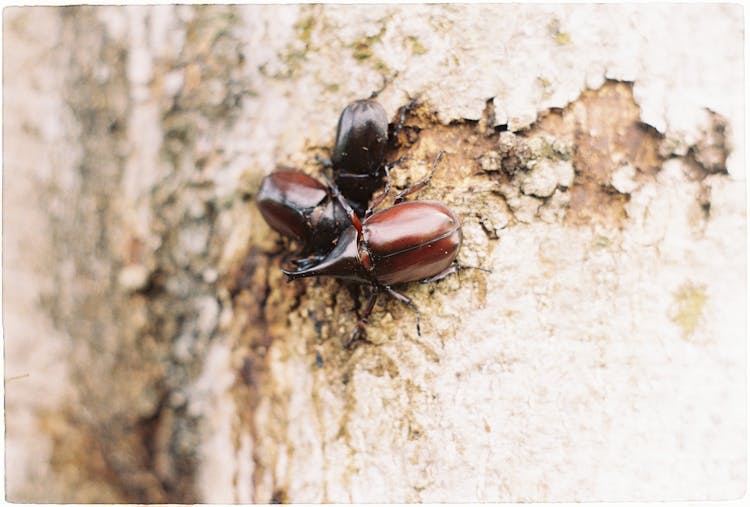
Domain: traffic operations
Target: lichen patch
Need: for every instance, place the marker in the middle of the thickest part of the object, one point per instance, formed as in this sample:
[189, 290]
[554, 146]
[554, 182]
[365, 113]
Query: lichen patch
[689, 303]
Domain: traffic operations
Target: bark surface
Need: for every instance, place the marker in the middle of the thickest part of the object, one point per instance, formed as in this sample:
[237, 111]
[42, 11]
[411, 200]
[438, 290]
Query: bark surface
[155, 353]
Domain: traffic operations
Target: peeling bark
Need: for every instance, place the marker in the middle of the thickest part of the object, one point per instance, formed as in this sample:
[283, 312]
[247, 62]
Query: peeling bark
[155, 352]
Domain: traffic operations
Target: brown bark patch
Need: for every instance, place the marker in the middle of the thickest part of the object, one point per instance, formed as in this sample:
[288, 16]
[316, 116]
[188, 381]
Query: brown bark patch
[605, 130]
[709, 154]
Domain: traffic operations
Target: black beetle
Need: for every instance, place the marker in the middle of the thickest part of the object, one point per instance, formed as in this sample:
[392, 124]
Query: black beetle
[358, 156]
[410, 241]
[300, 207]
[359, 151]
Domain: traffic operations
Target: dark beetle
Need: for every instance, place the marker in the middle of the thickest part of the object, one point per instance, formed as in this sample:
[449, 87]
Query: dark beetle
[410, 241]
[300, 207]
[361, 138]
[359, 151]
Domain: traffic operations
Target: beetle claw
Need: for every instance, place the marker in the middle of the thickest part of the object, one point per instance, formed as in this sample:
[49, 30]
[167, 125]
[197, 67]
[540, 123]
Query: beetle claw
[461, 267]
[386, 81]
[408, 302]
[403, 111]
[447, 271]
[325, 162]
[354, 337]
[400, 160]
[356, 334]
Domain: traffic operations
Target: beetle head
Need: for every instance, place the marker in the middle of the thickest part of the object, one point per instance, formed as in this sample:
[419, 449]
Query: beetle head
[342, 262]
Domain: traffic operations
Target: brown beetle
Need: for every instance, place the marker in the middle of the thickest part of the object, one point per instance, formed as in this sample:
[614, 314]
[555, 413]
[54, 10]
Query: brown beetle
[410, 241]
[298, 206]
[407, 242]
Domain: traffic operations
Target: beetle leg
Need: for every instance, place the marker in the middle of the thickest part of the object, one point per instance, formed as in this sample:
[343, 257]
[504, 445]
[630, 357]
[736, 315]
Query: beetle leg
[419, 186]
[325, 162]
[447, 271]
[359, 329]
[403, 111]
[387, 168]
[453, 268]
[391, 165]
[382, 196]
[408, 302]
[463, 266]
[386, 81]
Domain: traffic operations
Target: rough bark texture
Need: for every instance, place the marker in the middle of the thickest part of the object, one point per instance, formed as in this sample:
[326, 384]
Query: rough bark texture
[154, 352]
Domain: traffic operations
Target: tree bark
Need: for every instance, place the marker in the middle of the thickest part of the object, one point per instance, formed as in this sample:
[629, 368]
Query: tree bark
[155, 353]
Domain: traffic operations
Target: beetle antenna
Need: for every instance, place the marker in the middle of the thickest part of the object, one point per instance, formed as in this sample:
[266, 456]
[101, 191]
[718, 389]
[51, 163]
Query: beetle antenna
[419, 186]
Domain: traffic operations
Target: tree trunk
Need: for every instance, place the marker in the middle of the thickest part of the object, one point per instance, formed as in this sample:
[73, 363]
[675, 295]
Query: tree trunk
[154, 352]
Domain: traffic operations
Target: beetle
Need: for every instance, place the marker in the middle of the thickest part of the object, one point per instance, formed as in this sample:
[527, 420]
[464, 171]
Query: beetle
[359, 150]
[358, 156]
[409, 241]
[300, 207]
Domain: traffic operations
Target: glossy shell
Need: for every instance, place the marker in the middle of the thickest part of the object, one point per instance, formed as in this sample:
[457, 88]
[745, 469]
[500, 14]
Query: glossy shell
[407, 242]
[411, 241]
[286, 199]
[361, 138]
[359, 151]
